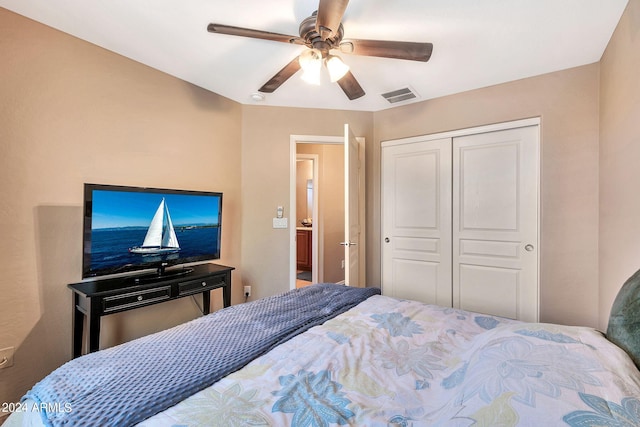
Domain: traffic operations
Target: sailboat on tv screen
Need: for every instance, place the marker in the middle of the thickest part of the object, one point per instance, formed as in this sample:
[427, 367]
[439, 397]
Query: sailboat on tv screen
[161, 237]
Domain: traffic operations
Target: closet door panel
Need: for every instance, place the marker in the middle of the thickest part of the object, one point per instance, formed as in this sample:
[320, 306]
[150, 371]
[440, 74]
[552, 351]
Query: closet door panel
[488, 185]
[495, 223]
[489, 290]
[405, 285]
[416, 229]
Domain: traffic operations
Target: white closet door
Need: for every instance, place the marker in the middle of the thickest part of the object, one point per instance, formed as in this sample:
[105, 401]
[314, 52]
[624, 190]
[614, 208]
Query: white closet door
[416, 205]
[495, 223]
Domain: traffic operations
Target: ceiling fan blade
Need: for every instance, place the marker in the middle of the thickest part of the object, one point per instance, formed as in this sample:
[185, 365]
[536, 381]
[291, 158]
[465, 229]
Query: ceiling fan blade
[330, 13]
[411, 51]
[350, 86]
[254, 34]
[281, 76]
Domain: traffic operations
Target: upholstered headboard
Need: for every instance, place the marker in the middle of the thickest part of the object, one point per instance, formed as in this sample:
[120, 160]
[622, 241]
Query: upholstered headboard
[624, 322]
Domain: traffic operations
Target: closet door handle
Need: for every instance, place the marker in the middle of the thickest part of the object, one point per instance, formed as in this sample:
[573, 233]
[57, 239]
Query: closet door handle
[386, 240]
[528, 248]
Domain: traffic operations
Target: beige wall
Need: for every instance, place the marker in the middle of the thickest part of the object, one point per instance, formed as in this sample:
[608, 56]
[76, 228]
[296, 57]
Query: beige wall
[304, 198]
[265, 184]
[620, 158]
[567, 103]
[71, 113]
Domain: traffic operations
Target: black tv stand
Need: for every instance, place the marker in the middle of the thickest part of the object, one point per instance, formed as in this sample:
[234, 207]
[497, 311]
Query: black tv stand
[94, 299]
[163, 274]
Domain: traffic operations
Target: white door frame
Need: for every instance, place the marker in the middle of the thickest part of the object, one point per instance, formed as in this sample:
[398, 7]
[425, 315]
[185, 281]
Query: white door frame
[465, 132]
[316, 139]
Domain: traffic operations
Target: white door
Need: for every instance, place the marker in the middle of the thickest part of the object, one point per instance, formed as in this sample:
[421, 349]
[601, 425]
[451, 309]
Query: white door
[351, 209]
[495, 223]
[416, 212]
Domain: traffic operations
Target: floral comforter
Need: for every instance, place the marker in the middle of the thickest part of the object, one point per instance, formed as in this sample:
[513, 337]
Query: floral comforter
[404, 363]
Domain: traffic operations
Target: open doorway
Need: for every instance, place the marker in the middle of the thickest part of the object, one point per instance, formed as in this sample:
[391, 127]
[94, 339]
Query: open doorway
[306, 210]
[328, 223]
[319, 230]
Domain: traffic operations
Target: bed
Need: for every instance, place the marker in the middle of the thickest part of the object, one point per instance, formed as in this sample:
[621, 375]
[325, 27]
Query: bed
[379, 361]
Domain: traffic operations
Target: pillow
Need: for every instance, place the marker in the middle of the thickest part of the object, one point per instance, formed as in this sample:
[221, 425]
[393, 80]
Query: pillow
[624, 322]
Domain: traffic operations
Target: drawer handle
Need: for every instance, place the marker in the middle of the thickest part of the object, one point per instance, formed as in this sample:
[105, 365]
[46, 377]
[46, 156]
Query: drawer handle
[139, 297]
[204, 283]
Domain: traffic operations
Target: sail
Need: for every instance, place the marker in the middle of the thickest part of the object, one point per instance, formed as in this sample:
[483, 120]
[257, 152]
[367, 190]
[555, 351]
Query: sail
[161, 237]
[169, 238]
[154, 233]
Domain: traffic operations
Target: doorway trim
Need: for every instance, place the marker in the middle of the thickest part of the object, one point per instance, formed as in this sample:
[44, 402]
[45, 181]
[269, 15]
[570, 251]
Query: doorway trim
[320, 139]
[294, 140]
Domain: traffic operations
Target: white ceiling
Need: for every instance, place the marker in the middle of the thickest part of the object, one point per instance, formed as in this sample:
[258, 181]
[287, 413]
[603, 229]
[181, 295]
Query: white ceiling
[476, 43]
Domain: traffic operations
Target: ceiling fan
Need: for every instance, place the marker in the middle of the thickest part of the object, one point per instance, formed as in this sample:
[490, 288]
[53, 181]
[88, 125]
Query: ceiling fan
[322, 32]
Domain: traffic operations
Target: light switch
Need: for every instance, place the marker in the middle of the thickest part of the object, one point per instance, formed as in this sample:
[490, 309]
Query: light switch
[280, 223]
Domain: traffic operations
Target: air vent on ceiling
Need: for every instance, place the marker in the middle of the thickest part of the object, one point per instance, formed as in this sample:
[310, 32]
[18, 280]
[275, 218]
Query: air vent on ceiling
[399, 95]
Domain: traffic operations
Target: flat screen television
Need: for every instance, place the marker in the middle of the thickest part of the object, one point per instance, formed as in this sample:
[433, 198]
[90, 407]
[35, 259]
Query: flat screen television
[135, 228]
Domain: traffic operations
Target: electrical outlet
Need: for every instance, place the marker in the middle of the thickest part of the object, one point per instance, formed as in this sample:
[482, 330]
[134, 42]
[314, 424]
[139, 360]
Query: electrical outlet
[6, 357]
[247, 291]
[343, 264]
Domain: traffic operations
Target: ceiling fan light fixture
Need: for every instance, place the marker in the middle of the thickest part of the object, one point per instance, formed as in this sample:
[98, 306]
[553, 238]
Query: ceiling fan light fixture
[311, 64]
[320, 33]
[311, 76]
[310, 59]
[337, 68]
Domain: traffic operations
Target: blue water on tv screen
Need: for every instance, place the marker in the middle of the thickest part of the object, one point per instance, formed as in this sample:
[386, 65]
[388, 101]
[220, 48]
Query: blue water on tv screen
[129, 228]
